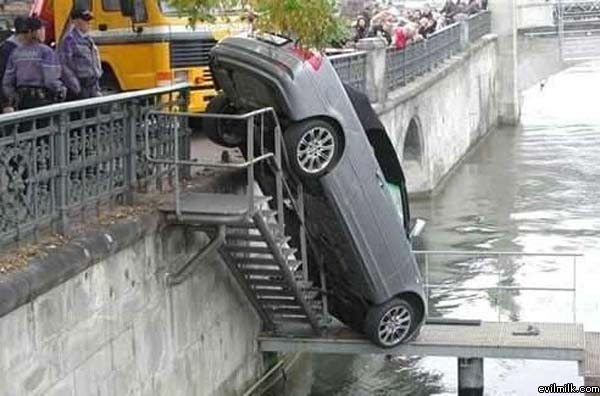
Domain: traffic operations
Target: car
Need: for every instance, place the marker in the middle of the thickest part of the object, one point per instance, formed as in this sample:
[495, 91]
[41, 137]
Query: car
[355, 202]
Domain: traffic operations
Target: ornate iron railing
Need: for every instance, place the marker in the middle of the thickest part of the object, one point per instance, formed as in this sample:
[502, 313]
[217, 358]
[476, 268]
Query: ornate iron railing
[479, 25]
[352, 69]
[63, 162]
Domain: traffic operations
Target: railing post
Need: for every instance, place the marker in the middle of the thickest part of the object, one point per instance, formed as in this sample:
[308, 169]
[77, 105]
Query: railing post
[250, 156]
[186, 146]
[463, 25]
[279, 177]
[132, 109]
[61, 152]
[375, 68]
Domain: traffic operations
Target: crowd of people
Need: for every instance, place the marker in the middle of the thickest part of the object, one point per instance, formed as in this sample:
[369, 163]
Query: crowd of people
[402, 27]
[32, 74]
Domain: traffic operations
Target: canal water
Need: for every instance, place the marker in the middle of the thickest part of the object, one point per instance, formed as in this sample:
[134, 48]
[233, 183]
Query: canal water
[534, 188]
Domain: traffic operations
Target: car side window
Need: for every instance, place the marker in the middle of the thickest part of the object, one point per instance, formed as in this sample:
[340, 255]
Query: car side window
[396, 194]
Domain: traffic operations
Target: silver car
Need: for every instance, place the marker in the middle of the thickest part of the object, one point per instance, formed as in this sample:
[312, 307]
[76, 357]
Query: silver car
[356, 205]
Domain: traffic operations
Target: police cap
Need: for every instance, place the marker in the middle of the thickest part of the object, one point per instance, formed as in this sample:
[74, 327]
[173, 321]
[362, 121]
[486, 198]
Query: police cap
[82, 13]
[21, 24]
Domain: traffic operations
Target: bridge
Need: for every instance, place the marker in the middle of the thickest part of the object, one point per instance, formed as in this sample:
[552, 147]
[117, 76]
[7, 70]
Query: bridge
[145, 286]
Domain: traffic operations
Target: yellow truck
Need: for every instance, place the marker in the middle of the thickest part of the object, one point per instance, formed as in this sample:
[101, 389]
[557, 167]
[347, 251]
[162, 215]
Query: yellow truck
[144, 43]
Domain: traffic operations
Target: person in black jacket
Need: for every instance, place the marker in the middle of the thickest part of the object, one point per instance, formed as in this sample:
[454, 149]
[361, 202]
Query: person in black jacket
[22, 31]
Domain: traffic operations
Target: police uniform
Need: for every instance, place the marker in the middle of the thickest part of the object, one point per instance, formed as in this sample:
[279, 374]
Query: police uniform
[33, 72]
[6, 49]
[80, 60]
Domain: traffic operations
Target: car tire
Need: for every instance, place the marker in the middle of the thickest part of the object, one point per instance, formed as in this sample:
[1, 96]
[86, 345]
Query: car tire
[227, 133]
[314, 147]
[390, 324]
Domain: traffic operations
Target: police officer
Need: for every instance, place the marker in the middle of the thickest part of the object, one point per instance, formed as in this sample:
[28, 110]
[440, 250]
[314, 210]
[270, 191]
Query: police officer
[79, 58]
[32, 77]
[6, 49]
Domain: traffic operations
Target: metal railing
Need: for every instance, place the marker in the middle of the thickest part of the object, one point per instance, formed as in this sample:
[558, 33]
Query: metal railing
[502, 261]
[352, 69]
[66, 161]
[258, 151]
[403, 65]
[479, 24]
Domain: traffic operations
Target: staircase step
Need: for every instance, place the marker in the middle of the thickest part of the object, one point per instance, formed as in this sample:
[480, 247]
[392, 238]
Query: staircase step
[261, 272]
[207, 204]
[269, 293]
[290, 318]
[262, 283]
[276, 300]
[255, 260]
[285, 311]
[242, 237]
[258, 249]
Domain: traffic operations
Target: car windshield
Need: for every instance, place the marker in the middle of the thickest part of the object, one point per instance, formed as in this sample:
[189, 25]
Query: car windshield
[396, 194]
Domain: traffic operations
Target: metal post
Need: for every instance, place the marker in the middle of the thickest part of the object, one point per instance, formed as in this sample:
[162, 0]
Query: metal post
[470, 376]
[560, 29]
[303, 251]
[427, 291]
[177, 186]
[574, 289]
[278, 178]
[60, 151]
[250, 147]
[132, 109]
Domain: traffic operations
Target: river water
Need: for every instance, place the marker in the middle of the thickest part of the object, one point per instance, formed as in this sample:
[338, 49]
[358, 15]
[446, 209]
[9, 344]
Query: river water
[534, 188]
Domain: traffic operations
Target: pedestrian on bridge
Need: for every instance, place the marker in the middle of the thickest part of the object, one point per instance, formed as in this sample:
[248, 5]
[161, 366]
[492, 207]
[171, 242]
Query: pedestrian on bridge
[80, 58]
[32, 77]
[6, 49]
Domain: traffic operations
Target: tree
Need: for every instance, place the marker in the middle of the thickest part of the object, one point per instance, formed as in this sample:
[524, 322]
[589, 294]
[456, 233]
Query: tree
[312, 23]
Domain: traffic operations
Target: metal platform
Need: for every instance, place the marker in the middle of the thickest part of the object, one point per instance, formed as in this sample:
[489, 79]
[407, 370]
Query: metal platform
[212, 204]
[488, 340]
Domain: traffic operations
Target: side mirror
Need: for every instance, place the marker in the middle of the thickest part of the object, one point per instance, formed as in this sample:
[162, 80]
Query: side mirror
[127, 8]
[416, 228]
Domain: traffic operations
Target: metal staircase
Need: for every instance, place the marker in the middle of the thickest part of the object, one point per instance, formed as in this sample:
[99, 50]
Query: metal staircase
[250, 235]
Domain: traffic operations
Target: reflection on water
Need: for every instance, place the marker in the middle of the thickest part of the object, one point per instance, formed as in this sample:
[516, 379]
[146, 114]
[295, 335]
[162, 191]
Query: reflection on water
[534, 188]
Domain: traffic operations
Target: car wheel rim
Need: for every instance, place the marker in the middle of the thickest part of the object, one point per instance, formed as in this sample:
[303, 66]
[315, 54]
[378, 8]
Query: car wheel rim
[394, 325]
[315, 150]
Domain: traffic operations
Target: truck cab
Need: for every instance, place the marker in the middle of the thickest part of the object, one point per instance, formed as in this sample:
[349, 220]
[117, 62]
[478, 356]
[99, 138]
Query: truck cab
[144, 43]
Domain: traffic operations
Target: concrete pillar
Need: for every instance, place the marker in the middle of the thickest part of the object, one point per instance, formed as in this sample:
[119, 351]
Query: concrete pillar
[504, 24]
[470, 377]
[463, 19]
[376, 85]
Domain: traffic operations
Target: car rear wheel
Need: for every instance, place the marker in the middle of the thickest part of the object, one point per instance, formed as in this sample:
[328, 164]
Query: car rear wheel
[227, 133]
[389, 324]
[314, 147]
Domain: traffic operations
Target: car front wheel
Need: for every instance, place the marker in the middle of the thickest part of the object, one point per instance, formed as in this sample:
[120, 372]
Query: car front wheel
[314, 147]
[389, 324]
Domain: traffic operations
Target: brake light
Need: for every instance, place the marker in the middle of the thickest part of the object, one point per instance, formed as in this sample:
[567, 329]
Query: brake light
[314, 59]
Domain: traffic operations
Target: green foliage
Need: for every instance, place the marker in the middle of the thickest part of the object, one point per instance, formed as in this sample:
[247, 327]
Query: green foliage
[313, 23]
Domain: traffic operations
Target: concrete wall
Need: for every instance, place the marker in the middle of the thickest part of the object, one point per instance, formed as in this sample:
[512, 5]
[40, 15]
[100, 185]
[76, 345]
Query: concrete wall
[96, 318]
[454, 106]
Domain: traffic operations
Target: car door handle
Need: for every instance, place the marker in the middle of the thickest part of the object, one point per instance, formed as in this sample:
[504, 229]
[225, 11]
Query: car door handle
[103, 27]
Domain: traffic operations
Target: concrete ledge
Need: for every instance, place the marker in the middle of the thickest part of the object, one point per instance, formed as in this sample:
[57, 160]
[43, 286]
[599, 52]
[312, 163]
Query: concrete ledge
[411, 90]
[62, 263]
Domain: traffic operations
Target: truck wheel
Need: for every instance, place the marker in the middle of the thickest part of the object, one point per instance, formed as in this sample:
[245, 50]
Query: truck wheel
[389, 324]
[313, 146]
[227, 133]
